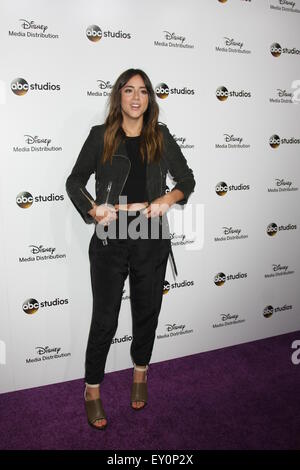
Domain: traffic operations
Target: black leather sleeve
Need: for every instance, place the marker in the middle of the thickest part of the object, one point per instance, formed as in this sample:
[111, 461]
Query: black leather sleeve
[177, 165]
[85, 165]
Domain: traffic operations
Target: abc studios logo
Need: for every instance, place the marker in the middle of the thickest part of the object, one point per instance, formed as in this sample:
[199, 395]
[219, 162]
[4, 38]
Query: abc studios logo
[222, 93]
[30, 306]
[275, 49]
[274, 141]
[166, 287]
[19, 86]
[268, 311]
[162, 90]
[272, 229]
[219, 279]
[24, 199]
[94, 33]
[221, 188]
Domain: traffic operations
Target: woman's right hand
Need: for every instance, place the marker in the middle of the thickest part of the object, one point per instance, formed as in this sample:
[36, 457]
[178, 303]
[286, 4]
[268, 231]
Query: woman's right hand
[103, 214]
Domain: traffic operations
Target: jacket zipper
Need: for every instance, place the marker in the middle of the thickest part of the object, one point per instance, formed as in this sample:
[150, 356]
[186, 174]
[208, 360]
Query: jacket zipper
[108, 191]
[160, 180]
[160, 217]
[160, 221]
[91, 201]
[127, 172]
[104, 241]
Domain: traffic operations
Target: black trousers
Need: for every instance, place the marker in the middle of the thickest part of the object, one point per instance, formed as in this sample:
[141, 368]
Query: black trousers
[145, 261]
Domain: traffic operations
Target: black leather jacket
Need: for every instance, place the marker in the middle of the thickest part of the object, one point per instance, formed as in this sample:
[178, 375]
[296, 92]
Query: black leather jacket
[110, 178]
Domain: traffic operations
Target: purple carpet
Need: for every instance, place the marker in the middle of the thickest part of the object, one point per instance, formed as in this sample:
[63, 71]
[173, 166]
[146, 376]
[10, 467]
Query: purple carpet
[240, 397]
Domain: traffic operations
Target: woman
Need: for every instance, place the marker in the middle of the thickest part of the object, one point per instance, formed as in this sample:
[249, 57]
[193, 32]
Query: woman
[130, 155]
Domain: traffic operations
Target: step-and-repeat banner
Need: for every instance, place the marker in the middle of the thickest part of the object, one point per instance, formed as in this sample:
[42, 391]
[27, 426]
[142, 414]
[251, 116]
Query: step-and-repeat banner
[226, 75]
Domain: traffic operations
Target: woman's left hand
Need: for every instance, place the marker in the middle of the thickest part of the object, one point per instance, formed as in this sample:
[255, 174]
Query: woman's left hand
[159, 206]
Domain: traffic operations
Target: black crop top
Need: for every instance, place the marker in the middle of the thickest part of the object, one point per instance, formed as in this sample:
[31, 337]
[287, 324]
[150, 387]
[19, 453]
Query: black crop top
[135, 186]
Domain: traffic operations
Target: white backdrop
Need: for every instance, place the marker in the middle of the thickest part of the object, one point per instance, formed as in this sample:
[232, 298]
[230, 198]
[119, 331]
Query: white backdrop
[247, 180]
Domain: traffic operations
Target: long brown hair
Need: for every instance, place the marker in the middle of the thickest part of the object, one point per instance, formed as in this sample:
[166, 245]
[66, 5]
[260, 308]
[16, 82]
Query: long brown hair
[151, 137]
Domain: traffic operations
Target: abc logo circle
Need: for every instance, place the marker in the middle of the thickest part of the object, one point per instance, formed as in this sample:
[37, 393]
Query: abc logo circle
[30, 306]
[272, 229]
[274, 141]
[19, 86]
[275, 49]
[268, 311]
[166, 287]
[222, 93]
[162, 90]
[219, 279]
[94, 33]
[24, 200]
[221, 188]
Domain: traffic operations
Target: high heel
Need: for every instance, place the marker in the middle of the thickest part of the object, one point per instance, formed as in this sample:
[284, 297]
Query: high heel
[139, 390]
[94, 411]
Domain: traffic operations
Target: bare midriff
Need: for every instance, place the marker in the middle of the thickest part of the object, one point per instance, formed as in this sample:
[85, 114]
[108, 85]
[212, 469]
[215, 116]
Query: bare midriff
[133, 206]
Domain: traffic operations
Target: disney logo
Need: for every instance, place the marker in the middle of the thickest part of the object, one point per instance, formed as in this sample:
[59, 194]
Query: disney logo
[46, 350]
[232, 42]
[40, 249]
[231, 138]
[281, 182]
[29, 139]
[173, 235]
[179, 139]
[174, 327]
[31, 25]
[284, 93]
[104, 85]
[287, 2]
[170, 36]
[278, 267]
[228, 230]
[227, 316]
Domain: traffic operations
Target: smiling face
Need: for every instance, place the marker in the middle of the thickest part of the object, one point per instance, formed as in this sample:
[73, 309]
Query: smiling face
[134, 99]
